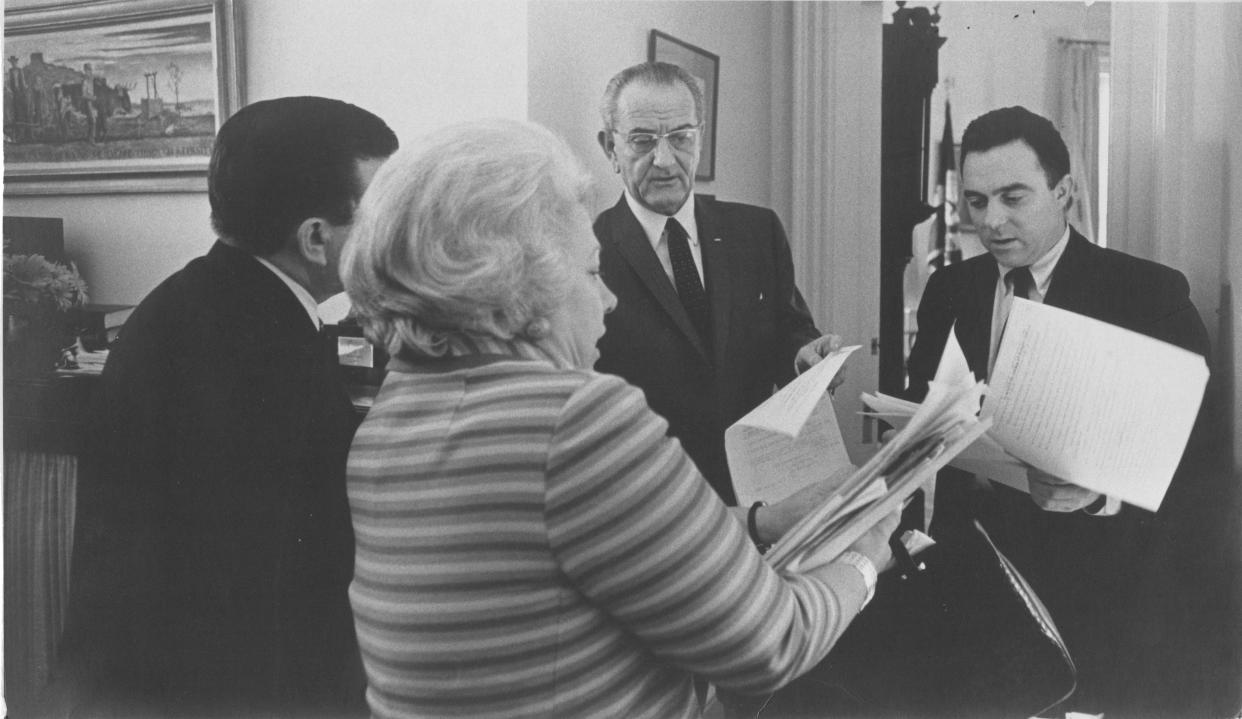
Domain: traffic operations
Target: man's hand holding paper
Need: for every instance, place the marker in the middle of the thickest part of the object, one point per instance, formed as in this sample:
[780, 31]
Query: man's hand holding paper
[817, 349]
[1066, 416]
[791, 440]
[1100, 406]
[1057, 495]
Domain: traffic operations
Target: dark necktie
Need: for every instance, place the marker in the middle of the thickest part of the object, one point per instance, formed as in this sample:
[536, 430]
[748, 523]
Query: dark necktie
[686, 279]
[1021, 281]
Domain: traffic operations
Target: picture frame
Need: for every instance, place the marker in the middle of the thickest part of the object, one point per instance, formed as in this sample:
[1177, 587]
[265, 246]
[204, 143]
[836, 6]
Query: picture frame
[163, 75]
[705, 67]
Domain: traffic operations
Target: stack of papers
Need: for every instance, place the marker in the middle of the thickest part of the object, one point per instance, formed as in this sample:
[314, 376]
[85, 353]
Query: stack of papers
[944, 425]
[793, 440]
[1099, 406]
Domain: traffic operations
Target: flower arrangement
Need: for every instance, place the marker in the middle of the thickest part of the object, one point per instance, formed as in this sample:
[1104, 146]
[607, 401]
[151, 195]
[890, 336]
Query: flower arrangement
[33, 281]
[38, 295]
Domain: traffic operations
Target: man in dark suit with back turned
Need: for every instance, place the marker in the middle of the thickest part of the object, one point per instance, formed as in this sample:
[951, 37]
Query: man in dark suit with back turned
[1088, 556]
[214, 548]
[708, 318]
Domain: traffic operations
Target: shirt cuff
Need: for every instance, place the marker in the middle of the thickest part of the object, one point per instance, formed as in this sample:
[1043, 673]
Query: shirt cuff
[864, 566]
[1112, 506]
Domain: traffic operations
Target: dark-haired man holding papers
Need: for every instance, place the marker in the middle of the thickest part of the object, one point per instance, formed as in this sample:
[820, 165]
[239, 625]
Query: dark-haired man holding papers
[1085, 554]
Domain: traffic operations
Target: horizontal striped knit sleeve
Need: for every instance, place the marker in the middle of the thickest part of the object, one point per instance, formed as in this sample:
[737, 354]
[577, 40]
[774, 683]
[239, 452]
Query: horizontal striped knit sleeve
[638, 531]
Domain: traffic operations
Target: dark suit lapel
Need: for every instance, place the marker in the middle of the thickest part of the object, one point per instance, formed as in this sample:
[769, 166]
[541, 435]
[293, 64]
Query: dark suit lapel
[632, 244]
[1070, 288]
[974, 330]
[714, 243]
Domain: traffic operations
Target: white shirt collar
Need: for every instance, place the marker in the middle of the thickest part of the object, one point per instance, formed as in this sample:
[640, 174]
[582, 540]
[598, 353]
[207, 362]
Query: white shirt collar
[1041, 269]
[303, 295]
[653, 222]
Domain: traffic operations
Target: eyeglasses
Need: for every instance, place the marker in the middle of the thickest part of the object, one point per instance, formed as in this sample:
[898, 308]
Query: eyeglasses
[682, 140]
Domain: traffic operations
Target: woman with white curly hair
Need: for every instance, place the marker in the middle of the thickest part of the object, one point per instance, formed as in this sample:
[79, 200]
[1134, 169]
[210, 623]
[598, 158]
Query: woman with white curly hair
[529, 542]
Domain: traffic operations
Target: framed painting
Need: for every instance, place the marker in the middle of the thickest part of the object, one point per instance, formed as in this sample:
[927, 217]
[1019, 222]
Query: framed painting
[116, 95]
[705, 67]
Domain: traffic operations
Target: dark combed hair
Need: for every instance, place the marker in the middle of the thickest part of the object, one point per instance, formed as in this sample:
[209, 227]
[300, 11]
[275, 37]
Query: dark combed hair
[278, 162]
[1003, 126]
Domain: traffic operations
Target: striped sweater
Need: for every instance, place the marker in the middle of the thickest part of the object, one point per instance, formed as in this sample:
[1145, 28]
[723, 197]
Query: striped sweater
[529, 543]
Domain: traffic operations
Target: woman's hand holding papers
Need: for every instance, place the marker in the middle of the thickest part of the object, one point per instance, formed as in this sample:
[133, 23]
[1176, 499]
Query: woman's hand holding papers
[869, 555]
[773, 521]
[874, 544]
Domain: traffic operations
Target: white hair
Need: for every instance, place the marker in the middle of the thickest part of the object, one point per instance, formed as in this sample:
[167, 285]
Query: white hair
[464, 231]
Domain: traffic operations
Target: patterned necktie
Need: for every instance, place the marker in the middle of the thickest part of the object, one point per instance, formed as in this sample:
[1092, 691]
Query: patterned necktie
[686, 279]
[1021, 281]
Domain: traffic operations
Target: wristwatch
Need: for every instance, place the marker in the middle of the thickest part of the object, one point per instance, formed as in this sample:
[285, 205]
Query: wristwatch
[865, 568]
[752, 528]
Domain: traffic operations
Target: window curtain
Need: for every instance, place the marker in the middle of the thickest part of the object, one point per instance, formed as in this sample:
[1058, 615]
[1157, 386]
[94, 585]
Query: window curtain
[1079, 121]
[830, 170]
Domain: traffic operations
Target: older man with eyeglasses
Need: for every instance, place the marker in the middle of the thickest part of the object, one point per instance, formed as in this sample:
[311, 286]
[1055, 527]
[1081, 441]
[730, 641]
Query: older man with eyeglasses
[708, 319]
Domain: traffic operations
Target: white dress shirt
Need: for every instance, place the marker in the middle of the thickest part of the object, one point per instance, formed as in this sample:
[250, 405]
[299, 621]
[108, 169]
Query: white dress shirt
[653, 224]
[1041, 271]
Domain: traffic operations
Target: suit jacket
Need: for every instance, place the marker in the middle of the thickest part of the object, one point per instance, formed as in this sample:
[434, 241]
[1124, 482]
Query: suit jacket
[1089, 570]
[759, 321]
[214, 549]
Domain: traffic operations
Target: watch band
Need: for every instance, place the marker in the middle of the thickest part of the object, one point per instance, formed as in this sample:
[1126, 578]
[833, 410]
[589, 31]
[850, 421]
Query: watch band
[1096, 505]
[752, 527]
[865, 568]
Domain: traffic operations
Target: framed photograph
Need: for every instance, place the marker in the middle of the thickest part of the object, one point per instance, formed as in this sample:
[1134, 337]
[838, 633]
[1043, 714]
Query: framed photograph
[705, 67]
[108, 96]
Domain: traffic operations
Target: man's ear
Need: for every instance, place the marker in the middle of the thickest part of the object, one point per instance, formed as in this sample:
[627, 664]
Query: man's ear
[1064, 191]
[609, 147]
[312, 240]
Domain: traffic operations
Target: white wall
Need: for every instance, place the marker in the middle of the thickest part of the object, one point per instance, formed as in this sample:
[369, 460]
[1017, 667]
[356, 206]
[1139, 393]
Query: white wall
[1178, 158]
[999, 54]
[1232, 261]
[416, 64]
[575, 47]
[831, 98]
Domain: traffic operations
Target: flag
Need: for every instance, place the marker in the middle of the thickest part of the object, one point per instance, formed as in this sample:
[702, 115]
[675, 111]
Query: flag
[945, 250]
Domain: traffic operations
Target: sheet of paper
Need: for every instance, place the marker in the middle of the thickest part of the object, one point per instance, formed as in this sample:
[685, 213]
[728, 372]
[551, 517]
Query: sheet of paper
[791, 440]
[953, 368]
[987, 458]
[788, 410]
[951, 372]
[1102, 407]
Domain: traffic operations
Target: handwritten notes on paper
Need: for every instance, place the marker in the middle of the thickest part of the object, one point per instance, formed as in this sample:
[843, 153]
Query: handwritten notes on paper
[791, 440]
[1097, 405]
